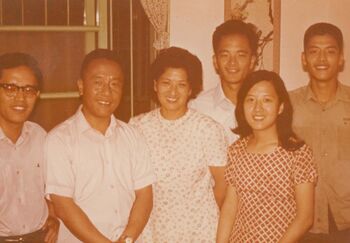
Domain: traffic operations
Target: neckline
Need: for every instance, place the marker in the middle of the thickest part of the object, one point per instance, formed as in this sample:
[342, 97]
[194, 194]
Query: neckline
[245, 144]
[177, 121]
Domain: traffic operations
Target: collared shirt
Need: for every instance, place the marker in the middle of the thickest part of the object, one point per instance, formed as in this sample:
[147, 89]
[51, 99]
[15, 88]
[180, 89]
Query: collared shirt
[326, 128]
[23, 208]
[214, 103]
[100, 172]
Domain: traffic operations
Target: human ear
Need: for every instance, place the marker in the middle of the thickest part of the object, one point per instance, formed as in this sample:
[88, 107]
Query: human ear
[80, 87]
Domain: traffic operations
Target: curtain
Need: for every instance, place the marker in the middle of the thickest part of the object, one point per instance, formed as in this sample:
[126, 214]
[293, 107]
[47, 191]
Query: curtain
[158, 14]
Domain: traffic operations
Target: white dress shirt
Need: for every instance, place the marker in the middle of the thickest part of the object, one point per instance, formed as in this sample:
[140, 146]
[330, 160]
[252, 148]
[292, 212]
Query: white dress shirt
[100, 172]
[23, 208]
[214, 103]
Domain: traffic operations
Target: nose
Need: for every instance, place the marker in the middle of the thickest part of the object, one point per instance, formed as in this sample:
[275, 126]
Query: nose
[257, 106]
[19, 95]
[173, 89]
[322, 56]
[233, 59]
[106, 88]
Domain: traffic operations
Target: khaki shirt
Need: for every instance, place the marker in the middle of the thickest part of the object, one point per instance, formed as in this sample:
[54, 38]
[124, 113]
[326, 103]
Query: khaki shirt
[326, 128]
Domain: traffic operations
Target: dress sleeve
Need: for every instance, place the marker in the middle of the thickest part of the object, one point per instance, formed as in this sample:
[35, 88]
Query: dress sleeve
[60, 178]
[229, 170]
[304, 167]
[215, 144]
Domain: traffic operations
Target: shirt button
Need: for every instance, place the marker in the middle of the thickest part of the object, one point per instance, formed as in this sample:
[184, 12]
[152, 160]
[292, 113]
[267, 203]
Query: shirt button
[325, 154]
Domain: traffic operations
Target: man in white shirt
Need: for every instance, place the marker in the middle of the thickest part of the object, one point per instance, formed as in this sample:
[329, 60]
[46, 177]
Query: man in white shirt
[25, 215]
[99, 174]
[235, 46]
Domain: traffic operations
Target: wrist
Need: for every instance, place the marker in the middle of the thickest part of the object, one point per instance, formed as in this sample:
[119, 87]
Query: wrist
[126, 239]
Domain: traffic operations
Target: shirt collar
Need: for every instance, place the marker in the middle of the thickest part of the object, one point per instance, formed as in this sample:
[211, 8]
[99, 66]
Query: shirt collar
[83, 125]
[340, 94]
[22, 137]
[219, 96]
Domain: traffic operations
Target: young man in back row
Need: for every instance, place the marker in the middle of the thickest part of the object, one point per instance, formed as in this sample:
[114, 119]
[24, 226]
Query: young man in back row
[235, 46]
[322, 119]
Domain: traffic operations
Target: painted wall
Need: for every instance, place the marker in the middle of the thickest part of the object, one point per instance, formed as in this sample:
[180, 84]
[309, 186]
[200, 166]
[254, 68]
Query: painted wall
[296, 17]
[192, 24]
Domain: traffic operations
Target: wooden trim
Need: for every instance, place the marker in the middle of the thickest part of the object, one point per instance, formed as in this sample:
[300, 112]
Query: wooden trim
[59, 95]
[276, 35]
[49, 28]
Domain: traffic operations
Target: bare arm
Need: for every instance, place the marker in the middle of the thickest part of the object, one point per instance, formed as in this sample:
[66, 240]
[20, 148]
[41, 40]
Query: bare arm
[52, 224]
[76, 220]
[227, 215]
[140, 213]
[304, 195]
[220, 185]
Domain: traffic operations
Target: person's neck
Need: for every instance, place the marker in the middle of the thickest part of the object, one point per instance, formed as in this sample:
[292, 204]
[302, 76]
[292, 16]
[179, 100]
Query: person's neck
[172, 115]
[99, 124]
[324, 91]
[230, 91]
[263, 141]
[11, 130]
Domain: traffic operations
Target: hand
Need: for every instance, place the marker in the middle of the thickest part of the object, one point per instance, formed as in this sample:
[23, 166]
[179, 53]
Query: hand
[51, 225]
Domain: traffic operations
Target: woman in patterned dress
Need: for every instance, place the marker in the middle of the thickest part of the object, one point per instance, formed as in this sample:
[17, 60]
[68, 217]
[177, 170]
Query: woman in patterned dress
[188, 152]
[270, 172]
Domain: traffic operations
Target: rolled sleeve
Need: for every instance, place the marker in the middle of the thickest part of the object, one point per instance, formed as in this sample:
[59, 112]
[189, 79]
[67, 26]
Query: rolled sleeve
[143, 172]
[60, 178]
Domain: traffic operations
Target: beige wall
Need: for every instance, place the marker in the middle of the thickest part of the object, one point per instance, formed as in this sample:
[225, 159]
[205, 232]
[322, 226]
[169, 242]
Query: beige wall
[296, 17]
[192, 23]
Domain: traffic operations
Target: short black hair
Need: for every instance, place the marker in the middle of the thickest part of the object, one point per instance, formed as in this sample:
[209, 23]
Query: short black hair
[176, 57]
[324, 29]
[100, 54]
[286, 136]
[235, 26]
[16, 59]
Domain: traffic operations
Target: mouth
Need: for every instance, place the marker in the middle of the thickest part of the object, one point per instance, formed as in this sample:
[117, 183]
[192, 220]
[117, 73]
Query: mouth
[103, 102]
[19, 108]
[321, 67]
[258, 117]
[171, 99]
[232, 70]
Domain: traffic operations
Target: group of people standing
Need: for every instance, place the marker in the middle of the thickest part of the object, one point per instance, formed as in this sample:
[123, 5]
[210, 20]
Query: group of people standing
[243, 162]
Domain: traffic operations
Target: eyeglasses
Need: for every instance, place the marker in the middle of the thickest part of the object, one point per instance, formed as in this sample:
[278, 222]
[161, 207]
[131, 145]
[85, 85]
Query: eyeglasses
[12, 90]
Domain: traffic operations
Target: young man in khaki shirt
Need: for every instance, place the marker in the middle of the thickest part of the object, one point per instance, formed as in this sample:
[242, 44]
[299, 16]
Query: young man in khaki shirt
[322, 119]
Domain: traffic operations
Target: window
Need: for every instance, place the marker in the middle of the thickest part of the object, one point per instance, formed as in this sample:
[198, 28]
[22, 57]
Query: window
[58, 33]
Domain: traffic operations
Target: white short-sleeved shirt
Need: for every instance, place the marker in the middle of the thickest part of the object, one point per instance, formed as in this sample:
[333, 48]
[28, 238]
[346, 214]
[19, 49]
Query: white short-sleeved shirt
[182, 150]
[23, 208]
[214, 103]
[100, 172]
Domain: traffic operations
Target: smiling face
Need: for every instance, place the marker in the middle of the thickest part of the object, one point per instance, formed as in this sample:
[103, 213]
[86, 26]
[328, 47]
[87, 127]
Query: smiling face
[101, 90]
[261, 107]
[233, 59]
[173, 92]
[323, 58]
[17, 107]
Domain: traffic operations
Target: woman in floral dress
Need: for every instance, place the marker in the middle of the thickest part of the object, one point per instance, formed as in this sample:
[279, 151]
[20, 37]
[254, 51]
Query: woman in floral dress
[188, 152]
[270, 173]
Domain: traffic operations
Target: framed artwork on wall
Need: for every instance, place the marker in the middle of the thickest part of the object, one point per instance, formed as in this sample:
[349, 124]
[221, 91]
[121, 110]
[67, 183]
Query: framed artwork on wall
[265, 15]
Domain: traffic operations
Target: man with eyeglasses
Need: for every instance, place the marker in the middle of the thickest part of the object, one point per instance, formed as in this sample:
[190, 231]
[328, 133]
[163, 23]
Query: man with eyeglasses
[25, 214]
